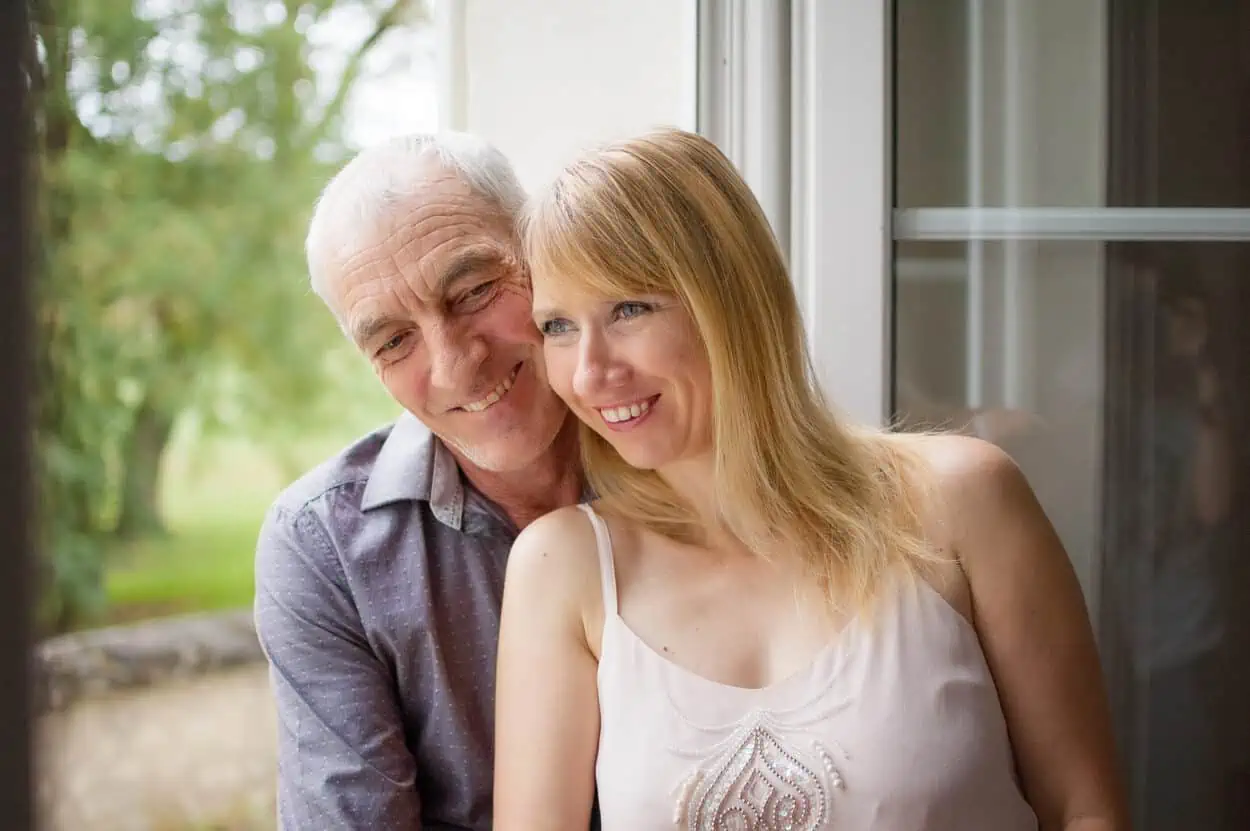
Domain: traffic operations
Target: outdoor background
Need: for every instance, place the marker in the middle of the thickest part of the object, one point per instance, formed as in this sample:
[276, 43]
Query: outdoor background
[187, 373]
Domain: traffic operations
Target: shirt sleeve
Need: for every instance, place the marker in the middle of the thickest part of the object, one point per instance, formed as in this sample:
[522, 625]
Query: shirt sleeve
[342, 759]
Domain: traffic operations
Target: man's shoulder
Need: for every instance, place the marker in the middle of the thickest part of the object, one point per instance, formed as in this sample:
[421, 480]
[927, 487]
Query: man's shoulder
[324, 512]
[348, 469]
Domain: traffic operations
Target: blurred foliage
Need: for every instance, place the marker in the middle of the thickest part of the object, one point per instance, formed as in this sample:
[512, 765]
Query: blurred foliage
[180, 146]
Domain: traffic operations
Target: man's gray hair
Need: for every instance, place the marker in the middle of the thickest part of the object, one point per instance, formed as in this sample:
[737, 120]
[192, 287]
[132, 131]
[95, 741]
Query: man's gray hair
[387, 177]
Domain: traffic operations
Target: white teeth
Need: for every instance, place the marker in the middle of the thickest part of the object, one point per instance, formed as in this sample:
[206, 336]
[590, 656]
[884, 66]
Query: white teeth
[494, 395]
[615, 415]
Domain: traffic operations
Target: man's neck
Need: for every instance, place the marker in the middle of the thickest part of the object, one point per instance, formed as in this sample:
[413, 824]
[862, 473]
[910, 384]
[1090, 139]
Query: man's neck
[553, 481]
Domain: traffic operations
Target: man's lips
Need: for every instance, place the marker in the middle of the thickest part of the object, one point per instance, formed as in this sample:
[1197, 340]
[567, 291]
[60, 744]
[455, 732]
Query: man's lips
[493, 397]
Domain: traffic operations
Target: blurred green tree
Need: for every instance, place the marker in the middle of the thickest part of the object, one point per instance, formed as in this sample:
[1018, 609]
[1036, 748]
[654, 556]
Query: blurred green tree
[180, 145]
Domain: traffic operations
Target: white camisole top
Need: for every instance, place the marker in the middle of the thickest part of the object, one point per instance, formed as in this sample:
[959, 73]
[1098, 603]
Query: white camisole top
[895, 726]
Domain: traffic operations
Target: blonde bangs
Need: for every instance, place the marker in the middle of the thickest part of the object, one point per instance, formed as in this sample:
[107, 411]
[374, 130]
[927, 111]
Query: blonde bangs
[587, 233]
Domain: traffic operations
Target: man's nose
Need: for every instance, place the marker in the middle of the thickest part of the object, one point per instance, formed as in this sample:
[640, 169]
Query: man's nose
[455, 358]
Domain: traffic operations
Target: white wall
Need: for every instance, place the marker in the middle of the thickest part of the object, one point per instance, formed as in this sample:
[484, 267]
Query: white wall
[544, 78]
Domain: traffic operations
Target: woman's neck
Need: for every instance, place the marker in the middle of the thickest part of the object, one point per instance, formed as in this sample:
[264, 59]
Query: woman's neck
[694, 482]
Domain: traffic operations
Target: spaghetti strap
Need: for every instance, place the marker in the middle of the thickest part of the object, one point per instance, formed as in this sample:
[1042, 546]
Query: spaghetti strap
[607, 569]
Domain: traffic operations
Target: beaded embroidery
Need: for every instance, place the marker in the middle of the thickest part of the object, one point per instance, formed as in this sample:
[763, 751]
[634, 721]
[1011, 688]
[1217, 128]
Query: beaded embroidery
[756, 785]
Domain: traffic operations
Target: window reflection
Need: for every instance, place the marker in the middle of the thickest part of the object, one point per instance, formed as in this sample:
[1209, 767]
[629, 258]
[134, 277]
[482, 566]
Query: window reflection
[1114, 371]
[1113, 386]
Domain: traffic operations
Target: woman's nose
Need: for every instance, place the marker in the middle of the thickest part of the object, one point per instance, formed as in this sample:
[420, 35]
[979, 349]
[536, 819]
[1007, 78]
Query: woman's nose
[597, 369]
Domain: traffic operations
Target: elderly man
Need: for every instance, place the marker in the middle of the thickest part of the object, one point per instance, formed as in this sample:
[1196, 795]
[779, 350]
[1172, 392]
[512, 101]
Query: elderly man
[379, 574]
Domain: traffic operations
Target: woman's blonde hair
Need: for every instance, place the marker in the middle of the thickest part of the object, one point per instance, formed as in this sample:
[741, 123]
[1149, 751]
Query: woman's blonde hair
[667, 213]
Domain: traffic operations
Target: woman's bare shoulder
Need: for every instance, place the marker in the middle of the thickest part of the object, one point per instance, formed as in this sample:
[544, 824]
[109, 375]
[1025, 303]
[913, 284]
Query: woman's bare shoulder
[959, 469]
[554, 561]
[964, 481]
[953, 454]
[561, 541]
[984, 502]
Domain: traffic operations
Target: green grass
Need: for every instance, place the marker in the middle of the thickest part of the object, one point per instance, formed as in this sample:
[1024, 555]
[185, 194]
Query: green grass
[215, 493]
[214, 497]
[195, 568]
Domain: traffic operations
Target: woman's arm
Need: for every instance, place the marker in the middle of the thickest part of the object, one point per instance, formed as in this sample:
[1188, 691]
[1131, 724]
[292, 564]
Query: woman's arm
[1213, 452]
[546, 698]
[1030, 615]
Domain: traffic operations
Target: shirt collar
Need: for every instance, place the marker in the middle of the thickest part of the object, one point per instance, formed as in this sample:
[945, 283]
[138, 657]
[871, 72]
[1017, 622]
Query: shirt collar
[414, 465]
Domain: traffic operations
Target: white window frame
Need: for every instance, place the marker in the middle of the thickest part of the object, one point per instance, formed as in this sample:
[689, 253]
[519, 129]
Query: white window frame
[453, 69]
[744, 95]
[797, 93]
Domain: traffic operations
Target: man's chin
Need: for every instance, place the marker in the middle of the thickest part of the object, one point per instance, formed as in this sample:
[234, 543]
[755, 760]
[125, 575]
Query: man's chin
[512, 455]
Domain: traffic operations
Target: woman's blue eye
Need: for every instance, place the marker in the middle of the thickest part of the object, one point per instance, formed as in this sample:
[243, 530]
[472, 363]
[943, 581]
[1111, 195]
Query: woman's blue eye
[556, 326]
[631, 309]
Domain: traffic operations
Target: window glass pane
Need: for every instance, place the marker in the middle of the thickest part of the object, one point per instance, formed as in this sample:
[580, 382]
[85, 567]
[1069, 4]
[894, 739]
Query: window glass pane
[1034, 385]
[1110, 373]
[1072, 103]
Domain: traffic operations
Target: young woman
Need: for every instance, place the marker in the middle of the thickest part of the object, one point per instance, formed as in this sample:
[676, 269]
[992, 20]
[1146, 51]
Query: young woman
[769, 618]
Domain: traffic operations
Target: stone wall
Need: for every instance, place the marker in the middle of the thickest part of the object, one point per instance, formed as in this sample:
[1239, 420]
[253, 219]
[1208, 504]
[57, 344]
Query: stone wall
[161, 726]
[102, 661]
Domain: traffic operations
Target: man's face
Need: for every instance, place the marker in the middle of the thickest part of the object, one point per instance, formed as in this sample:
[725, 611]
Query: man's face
[438, 301]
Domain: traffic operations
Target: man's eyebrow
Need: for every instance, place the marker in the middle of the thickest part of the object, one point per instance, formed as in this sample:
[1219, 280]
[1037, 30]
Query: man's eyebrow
[367, 328]
[467, 263]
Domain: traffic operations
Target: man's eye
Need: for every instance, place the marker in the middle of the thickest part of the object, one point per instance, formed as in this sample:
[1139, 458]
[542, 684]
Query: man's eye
[478, 292]
[555, 326]
[392, 344]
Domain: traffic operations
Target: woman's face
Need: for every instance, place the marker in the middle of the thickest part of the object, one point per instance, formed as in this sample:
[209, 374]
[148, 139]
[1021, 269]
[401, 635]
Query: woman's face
[633, 368]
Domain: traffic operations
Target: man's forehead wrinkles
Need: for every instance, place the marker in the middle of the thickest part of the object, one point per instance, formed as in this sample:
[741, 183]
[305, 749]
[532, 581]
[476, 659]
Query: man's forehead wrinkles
[369, 256]
[364, 290]
[405, 293]
[465, 207]
[374, 271]
[465, 235]
[404, 229]
[432, 235]
[404, 238]
[445, 221]
[371, 273]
